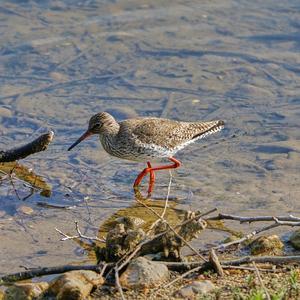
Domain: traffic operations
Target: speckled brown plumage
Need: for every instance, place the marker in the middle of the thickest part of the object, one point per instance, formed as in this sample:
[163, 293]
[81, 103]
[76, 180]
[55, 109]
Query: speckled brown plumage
[165, 133]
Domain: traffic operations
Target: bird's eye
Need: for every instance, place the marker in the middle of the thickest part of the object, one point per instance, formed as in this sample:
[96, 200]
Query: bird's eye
[97, 125]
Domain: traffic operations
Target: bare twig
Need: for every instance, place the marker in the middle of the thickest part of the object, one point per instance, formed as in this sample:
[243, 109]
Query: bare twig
[275, 260]
[182, 276]
[104, 266]
[39, 144]
[165, 206]
[251, 269]
[261, 282]
[13, 185]
[80, 235]
[118, 284]
[287, 223]
[214, 260]
[257, 231]
[254, 219]
[56, 206]
[168, 195]
[246, 237]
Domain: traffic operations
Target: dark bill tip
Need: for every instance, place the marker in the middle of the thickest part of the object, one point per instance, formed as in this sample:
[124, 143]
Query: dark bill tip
[84, 136]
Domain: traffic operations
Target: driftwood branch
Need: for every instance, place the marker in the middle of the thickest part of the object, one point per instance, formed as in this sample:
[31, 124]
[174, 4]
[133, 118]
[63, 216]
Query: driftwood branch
[39, 144]
[277, 222]
[214, 260]
[221, 216]
[275, 260]
[246, 237]
[174, 266]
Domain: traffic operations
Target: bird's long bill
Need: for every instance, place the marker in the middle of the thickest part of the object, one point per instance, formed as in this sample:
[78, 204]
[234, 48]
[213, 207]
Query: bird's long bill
[84, 136]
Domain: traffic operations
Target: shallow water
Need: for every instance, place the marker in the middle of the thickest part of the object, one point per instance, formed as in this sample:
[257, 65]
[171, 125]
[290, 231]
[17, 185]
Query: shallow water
[187, 60]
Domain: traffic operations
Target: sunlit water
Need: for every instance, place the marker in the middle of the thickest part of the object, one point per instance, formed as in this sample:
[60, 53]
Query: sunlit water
[188, 60]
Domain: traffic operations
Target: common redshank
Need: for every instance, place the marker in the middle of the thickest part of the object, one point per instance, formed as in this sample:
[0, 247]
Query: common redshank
[147, 139]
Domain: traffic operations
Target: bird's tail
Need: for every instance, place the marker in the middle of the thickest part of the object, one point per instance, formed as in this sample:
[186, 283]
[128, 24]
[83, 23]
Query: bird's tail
[207, 128]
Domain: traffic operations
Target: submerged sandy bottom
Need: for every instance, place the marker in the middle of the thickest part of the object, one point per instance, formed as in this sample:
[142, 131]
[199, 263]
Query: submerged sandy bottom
[231, 60]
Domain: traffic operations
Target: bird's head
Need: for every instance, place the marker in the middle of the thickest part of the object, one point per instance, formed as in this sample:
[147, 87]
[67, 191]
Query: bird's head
[98, 124]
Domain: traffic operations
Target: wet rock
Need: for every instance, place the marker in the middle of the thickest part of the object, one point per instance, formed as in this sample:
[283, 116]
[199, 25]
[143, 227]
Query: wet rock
[295, 239]
[142, 273]
[25, 291]
[191, 290]
[75, 285]
[267, 245]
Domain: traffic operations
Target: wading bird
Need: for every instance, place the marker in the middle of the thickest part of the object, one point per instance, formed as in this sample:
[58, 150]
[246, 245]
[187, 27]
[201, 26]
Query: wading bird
[147, 139]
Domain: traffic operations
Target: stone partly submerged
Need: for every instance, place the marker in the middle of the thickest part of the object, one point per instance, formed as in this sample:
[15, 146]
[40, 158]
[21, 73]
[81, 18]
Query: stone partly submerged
[295, 239]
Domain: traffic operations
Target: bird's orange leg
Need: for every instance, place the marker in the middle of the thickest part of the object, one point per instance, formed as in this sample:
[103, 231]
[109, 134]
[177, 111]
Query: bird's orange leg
[142, 175]
[176, 164]
[151, 170]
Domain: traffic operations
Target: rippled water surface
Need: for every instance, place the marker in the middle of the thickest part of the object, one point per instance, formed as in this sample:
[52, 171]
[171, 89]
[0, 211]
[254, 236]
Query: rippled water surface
[62, 62]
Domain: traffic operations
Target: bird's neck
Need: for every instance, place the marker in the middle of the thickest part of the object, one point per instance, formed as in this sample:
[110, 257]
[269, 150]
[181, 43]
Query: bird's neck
[109, 136]
[110, 128]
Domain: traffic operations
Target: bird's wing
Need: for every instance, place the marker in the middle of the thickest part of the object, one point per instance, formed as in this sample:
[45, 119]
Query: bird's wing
[164, 132]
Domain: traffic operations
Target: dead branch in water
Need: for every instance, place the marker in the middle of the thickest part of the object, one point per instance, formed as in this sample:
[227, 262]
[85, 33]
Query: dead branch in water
[37, 145]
